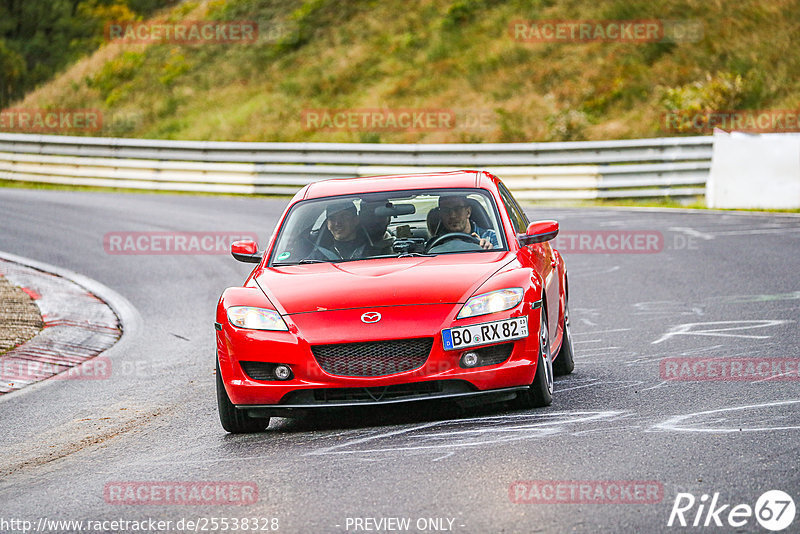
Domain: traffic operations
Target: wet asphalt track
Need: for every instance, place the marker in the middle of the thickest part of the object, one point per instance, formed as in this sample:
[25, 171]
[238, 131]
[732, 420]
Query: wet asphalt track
[724, 286]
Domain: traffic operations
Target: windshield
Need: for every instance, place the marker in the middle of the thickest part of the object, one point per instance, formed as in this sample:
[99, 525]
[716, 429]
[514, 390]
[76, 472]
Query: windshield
[393, 224]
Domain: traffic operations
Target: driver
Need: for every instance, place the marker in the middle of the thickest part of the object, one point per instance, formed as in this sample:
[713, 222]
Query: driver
[455, 213]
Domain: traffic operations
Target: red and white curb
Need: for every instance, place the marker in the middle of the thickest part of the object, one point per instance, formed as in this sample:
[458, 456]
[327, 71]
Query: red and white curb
[78, 325]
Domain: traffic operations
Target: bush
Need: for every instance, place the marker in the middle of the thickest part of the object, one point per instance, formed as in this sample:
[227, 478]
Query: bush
[724, 91]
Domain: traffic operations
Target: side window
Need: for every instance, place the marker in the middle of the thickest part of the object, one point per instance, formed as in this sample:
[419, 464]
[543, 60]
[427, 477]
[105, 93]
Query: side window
[518, 217]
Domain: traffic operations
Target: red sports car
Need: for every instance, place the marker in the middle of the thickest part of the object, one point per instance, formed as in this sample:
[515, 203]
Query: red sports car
[394, 289]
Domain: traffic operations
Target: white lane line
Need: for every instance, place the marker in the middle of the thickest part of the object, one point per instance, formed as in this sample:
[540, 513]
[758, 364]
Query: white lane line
[606, 429]
[628, 384]
[374, 437]
[691, 232]
[739, 299]
[686, 329]
[757, 232]
[661, 385]
[722, 233]
[582, 274]
[474, 437]
[675, 423]
[599, 332]
[578, 387]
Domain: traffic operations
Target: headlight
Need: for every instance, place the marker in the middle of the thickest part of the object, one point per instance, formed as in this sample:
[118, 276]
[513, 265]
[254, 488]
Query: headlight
[492, 302]
[255, 318]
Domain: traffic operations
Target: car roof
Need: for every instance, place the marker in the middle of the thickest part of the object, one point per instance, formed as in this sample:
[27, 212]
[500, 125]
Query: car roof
[398, 182]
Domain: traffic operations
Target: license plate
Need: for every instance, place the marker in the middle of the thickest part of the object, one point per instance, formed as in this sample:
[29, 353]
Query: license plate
[484, 333]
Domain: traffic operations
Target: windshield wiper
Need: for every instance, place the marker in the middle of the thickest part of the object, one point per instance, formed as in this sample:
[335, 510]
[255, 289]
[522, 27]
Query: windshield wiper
[301, 262]
[307, 261]
[414, 255]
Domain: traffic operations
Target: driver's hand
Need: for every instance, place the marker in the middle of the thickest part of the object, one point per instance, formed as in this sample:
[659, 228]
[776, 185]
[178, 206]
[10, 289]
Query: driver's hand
[485, 243]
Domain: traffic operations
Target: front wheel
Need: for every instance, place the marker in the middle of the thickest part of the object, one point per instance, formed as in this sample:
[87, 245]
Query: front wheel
[233, 420]
[564, 363]
[540, 392]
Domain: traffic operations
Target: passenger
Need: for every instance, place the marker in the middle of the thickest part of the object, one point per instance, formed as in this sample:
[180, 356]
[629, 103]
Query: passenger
[455, 213]
[434, 222]
[346, 239]
[375, 226]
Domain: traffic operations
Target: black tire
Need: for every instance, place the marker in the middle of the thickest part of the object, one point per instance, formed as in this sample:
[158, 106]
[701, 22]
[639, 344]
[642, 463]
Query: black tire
[233, 420]
[564, 363]
[540, 392]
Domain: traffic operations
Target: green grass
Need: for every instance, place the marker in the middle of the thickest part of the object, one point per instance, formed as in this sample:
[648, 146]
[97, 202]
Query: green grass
[656, 202]
[457, 55]
[696, 203]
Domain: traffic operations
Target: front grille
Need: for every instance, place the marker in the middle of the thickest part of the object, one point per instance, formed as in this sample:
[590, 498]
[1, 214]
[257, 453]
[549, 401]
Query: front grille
[375, 358]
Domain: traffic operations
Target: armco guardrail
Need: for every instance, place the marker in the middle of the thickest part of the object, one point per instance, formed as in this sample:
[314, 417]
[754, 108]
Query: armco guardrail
[670, 166]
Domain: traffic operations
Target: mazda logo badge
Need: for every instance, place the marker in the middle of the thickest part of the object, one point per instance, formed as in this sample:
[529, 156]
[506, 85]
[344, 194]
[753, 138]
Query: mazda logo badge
[371, 317]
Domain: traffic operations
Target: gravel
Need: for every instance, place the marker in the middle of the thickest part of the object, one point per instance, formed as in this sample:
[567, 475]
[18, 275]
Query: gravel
[20, 319]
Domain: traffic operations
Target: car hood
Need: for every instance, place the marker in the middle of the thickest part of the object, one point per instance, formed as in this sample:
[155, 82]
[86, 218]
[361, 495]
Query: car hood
[449, 278]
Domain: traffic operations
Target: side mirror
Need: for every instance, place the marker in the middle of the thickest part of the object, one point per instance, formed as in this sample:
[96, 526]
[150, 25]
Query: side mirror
[539, 232]
[246, 251]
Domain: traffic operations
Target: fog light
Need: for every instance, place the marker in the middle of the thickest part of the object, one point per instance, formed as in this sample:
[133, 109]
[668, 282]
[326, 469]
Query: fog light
[282, 372]
[470, 359]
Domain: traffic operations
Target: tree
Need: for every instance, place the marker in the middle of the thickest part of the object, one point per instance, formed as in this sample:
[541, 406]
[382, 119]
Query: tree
[12, 72]
[49, 35]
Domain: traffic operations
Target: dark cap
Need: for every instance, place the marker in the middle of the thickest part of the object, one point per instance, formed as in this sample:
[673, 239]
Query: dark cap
[339, 206]
[452, 197]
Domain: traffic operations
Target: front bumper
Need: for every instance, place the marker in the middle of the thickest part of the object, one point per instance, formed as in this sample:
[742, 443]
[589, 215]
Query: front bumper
[449, 392]
[439, 377]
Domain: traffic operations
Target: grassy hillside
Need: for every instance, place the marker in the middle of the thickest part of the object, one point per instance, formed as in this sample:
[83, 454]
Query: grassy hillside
[452, 55]
[40, 38]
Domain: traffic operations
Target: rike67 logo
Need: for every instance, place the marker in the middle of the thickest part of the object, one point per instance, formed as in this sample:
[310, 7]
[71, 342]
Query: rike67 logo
[774, 510]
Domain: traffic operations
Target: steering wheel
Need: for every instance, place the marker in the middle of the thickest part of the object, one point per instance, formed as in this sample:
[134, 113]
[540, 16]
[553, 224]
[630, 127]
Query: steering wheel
[452, 235]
